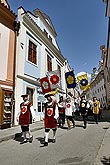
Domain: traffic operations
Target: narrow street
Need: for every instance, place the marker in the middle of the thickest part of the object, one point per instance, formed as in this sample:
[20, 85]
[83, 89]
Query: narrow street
[77, 146]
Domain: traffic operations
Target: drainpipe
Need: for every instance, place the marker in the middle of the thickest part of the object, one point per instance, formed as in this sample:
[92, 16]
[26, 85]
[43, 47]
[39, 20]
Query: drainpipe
[16, 30]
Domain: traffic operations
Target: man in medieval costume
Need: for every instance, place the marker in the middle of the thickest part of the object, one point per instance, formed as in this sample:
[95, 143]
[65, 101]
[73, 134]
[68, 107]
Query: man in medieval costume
[50, 117]
[84, 105]
[96, 107]
[25, 117]
[61, 109]
[69, 112]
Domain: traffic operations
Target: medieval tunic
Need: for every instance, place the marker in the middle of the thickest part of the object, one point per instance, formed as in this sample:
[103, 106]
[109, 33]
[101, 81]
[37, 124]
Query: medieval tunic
[96, 106]
[25, 117]
[51, 114]
[61, 107]
[68, 110]
[83, 107]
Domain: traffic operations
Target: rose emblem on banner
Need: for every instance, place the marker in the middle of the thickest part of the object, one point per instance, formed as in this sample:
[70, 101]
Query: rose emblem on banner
[82, 105]
[84, 82]
[45, 85]
[70, 79]
[49, 111]
[68, 105]
[23, 109]
[54, 79]
[95, 104]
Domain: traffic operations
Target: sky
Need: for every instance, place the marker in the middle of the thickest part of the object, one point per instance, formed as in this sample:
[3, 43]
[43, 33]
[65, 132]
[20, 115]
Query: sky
[81, 28]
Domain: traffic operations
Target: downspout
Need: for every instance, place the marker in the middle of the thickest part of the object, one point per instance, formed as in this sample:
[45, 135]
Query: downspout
[16, 30]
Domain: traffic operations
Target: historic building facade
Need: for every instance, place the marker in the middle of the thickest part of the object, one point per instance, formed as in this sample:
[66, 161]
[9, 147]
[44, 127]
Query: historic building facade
[97, 85]
[7, 57]
[107, 64]
[37, 53]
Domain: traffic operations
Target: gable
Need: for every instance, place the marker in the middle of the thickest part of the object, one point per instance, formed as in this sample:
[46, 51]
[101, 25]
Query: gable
[47, 19]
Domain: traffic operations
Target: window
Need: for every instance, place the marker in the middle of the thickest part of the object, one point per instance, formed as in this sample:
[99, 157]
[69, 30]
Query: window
[32, 52]
[39, 106]
[45, 32]
[30, 92]
[49, 63]
[50, 38]
[59, 68]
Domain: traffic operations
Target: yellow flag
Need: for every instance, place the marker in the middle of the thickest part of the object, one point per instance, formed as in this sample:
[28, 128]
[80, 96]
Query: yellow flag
[83, 81]
[53, 92]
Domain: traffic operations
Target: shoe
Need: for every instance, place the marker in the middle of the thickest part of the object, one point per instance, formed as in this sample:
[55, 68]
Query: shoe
[84, 127]
[31, 139]
[69, 128]
[53, 141]
[24, 141]
[73, 125]
[45, 143]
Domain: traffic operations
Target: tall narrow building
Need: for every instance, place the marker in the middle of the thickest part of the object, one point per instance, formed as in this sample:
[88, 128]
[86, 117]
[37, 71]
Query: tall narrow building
[7, 56]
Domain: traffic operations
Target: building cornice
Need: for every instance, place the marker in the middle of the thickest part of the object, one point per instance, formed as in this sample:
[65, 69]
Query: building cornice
[29, 79]
[7, 83]
[7, 17]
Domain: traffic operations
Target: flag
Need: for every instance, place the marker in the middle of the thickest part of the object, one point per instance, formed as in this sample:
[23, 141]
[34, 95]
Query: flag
[45, 85]
[83, 81]
[53, 92]
[70, 79]
[87, 86]
[54, 79]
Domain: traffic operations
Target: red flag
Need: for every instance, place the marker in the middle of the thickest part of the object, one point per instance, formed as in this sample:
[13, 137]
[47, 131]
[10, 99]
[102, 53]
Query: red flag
[45, 85]
[54, 79]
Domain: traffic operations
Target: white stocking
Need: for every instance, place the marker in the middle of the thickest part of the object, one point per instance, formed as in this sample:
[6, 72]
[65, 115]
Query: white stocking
[46, 136]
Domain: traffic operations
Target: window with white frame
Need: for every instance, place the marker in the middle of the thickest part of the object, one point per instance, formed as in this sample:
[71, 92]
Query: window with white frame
[32, 52]
[49, 63]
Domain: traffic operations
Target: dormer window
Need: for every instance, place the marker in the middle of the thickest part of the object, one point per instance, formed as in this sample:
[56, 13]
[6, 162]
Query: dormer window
[50, 38]
[45, 32]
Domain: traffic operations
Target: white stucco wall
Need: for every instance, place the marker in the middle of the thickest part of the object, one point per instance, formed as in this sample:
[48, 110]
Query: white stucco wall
[99, 91]
[4, 46]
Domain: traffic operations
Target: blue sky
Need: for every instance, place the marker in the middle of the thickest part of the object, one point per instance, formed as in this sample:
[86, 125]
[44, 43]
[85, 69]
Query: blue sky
[81, 28]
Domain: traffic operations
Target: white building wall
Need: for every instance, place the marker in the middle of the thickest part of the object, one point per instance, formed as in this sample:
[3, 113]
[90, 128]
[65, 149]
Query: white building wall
[43, 61]
[99, 91]
[4, 46]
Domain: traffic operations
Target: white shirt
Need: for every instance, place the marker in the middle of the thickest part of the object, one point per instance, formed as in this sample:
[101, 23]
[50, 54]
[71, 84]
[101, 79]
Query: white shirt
[70, 108]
